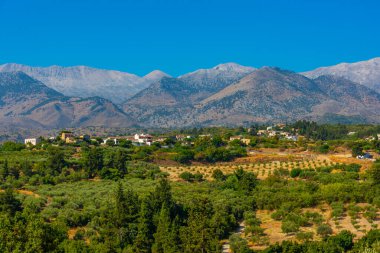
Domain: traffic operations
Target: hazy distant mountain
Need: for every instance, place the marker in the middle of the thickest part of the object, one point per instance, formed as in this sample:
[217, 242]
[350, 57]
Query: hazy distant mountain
[346, 98]
[265, 95]
[166, 98]
[364, 72]
[228, 94]
[27, 102]
[155, 76]
[209, 81]
[170, 98]
[82, 81]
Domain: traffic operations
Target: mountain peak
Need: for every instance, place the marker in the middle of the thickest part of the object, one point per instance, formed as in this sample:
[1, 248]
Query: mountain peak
[156, 75]
[231, 66]
[366, 73]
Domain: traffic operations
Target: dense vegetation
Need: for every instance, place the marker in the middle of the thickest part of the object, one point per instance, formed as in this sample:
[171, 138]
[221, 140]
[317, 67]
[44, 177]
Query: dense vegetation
[114, 198]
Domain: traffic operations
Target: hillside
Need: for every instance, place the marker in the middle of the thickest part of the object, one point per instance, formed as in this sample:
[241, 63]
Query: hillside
[228, 94]
[364, 72]
[208, 81]
[83, 81]
[27, 102]
[265, 95]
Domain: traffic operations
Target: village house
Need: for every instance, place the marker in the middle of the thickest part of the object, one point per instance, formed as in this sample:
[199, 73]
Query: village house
[32, 141]
[261, 132]
[112, 140]
[143, 139]
[237, 137]
[246, 141]
[181, 137]
[159, 139]
[68, 137]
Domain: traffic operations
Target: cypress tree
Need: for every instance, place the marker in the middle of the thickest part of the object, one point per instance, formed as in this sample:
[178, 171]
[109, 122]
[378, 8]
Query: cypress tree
[162, 235]
[144, 238]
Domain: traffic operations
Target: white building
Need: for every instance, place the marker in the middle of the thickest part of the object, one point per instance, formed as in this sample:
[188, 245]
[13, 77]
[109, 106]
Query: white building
[144, 139]
[115, 141]
[32, 141]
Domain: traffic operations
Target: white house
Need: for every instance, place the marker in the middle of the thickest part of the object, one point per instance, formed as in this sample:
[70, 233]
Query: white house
[32, 141]
[144, 139]
[110, 139]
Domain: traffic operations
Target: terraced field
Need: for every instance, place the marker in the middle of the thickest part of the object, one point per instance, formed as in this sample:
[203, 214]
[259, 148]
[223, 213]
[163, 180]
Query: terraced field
[266, 161]
[261, 169]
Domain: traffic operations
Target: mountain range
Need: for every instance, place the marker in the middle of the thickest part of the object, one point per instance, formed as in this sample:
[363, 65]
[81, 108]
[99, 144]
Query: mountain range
[364, 72]
[26, 102]
[83, 81]
[227, 94]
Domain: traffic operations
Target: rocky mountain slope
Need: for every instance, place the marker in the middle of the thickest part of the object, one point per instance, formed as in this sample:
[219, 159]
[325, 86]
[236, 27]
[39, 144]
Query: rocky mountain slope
[264, 95]
[26, 102]
[208, 81]
[364, 72]
[82, 81]
[228, 94]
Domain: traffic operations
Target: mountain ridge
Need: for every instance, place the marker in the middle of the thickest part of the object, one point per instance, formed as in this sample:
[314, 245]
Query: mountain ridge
[84, 81]
[363, 72]
[266, 94]
[226, 94]
[27, 102]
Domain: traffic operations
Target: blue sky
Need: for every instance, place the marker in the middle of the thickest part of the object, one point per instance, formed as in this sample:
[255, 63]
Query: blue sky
[178, 36]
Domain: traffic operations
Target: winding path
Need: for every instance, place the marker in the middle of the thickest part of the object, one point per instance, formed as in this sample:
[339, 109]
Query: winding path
[239, 230]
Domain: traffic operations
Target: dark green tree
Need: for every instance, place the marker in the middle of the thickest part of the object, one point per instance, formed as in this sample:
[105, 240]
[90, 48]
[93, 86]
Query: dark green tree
[357, 149]
[162, 196]
[4, 171]
[162, 238]
[144, 238]
[199, 235]
[125, 215]
[93, 161]
[119, 161]
[218, 175]
[55, 161]
[8, 203]
[344, 239]
[375, 173]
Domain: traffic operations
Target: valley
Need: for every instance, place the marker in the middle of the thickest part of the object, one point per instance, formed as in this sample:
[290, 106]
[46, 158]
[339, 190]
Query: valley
[255, 188]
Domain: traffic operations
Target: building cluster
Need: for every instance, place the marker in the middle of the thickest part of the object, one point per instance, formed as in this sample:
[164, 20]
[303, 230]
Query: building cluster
[240, 138]
[272, 132]
[141, 139]
[137, 139]
[372, 138]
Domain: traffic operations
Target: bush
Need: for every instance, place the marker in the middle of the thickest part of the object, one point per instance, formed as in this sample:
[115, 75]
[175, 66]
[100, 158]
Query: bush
[305, 236]
[289, 227]
[218, 175]
[184, 156]
[238, 244]
[344, 239]
[189, 177]
[295, 172]
[324, 230]
[12, 146]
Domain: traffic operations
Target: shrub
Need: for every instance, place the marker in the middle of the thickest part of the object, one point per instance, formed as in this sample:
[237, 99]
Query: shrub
[295, 172]
[189, 177]
[289, 227]
[238, 244]
[305, 236]
[324, 230]
[218, 175]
